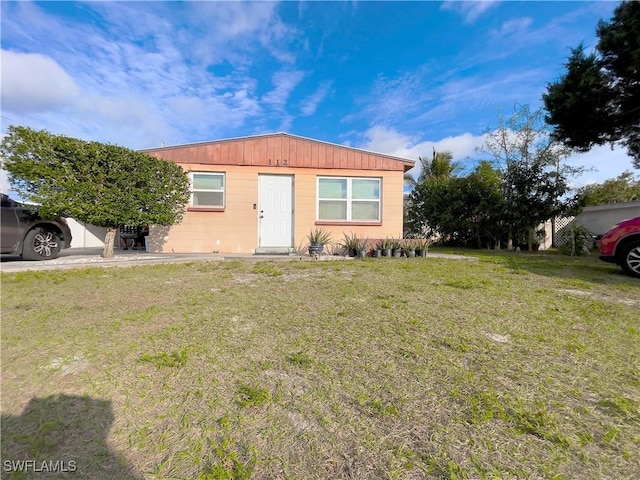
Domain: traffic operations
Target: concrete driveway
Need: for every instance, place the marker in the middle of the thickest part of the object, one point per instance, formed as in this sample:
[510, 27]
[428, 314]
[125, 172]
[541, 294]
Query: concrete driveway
[91, 257]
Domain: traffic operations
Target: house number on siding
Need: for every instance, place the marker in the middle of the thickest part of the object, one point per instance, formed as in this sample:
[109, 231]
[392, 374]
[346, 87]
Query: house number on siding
[279, 163]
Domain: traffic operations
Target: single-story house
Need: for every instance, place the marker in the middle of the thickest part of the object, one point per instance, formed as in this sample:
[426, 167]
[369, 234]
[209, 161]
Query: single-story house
[266, 193]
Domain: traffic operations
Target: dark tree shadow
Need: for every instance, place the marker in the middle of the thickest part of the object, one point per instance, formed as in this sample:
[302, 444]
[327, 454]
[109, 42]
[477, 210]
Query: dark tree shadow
[586, 268]
[158, 236]
[63, 433]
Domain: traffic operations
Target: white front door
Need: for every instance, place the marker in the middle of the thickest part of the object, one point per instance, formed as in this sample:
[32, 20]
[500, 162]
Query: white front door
[276, 210]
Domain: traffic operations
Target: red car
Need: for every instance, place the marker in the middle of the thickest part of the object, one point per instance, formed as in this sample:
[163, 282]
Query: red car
[621, 245]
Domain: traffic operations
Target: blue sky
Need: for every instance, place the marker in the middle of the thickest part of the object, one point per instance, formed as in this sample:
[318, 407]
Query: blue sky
[394, 77]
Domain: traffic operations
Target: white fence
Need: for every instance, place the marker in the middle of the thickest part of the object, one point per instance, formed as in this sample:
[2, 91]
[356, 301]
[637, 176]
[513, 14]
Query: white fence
[86, 235]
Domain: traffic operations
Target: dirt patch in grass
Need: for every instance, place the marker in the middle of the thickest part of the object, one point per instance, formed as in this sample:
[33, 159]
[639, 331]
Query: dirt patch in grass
[601, 296]
[380, 368]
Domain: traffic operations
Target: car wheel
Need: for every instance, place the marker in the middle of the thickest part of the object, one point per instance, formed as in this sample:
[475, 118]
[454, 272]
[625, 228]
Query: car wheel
[41, 244]
[630, 258]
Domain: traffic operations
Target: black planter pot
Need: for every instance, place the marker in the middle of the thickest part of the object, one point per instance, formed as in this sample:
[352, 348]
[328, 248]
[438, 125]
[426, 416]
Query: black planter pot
[410, 253]
[377, 253]
[421, 253]
[387, 252]
[397, 252]
[361, 253]
[315, 248]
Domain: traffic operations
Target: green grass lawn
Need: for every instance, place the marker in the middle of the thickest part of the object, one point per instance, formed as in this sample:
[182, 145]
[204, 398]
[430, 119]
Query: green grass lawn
[506, 366]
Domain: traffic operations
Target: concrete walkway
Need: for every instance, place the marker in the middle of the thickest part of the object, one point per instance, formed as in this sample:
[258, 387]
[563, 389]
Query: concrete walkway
[91, 257]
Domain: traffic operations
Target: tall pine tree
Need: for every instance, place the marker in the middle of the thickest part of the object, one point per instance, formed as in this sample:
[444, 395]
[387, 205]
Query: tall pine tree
[597, 100]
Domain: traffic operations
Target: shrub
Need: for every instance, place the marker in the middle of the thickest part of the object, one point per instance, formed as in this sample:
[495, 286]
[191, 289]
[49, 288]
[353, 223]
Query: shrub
[578, 242]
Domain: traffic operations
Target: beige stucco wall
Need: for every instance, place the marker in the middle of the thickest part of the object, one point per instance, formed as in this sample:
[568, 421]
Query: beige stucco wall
[235, 230]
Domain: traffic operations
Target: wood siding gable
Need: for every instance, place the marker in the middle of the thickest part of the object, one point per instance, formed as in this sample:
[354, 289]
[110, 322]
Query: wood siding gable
[280, 150]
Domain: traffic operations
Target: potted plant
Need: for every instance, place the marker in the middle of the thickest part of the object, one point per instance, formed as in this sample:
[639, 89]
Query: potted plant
[422, 246]
[318, 238]
[409, 248]
[396, 247]
[387, 247]
[361, 246]
[537, 238]
[350, 244]
[378, 248]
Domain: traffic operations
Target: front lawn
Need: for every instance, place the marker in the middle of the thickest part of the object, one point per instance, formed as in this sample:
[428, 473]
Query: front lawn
[505, 366]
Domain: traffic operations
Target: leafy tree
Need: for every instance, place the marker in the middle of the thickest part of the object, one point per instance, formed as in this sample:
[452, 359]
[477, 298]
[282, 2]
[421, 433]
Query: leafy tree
[432, 207]
[524, 184]
[440, 166]
[485, 197]
[534, 179]
[101, 184]
[597, 101]
[624, 188]
[580, 105]
[464, 210]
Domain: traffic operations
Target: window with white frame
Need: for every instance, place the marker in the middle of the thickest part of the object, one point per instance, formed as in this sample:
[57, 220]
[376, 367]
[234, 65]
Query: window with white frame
[207, 189]
[349, 199]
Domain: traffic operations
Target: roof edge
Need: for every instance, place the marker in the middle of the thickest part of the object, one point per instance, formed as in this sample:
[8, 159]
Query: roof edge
[612, 206]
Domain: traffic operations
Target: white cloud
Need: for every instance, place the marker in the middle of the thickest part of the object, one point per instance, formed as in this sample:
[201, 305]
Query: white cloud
[387, 140]
[139, 73]
[34, 83]
[396, 99]
[601, 163]
[558, 32]
[390, 141]
[285, 123]
[464, 147]
[147, 75]
[424, 100]
[235, 19]
[471, 11]
[310, 104]
[284, 83]
[512, 29]
[244, 25]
